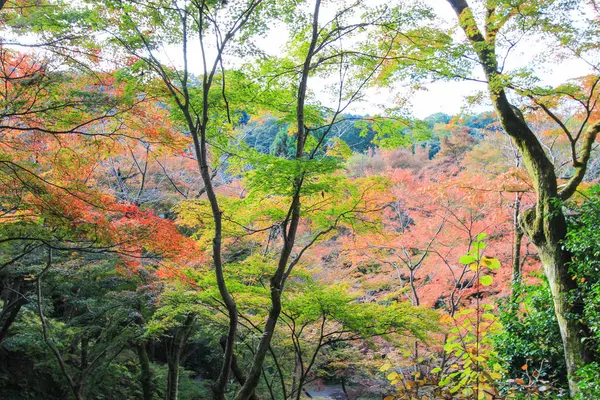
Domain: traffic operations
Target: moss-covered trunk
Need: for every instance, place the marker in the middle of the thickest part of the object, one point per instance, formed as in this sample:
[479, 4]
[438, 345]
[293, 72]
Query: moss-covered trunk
[173, 374]
[145, 371]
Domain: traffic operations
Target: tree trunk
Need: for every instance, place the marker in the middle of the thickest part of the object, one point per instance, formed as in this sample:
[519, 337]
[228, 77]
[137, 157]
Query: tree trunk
[145, 371]
[9, 314]
[175, 351]
[344, 389]
[247, 390]
[290, 227]
[173, 374]
[516, 250]
[238, 374]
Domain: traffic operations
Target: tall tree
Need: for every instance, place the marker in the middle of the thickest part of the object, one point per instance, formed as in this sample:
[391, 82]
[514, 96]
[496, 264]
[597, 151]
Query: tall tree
[206, 107]
[544, 224]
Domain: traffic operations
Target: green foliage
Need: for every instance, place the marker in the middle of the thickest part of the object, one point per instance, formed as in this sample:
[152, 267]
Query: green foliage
[589, 385]
[91, 317]
[531, 338]
[471, 337]
[334, 302]
[583, 240]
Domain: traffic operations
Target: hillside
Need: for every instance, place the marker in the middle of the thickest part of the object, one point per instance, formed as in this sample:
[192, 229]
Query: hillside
[234, 200]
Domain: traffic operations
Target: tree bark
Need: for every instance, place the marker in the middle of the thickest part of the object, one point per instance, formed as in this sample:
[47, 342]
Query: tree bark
[175, 351]
[9, 314]
[516, 248]
[173, 374]
[555, 261]
[290, 227]
[145, 371]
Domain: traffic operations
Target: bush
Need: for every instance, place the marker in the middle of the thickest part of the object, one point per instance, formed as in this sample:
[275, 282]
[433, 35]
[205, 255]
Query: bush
[530, 344]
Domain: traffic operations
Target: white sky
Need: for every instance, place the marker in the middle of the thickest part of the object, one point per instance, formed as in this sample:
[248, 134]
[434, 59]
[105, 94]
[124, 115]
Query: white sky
[447, 97]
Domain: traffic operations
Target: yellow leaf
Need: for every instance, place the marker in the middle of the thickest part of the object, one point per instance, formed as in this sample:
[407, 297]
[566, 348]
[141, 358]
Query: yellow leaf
[446, 318]
[495, 375]
[385, 367]
[392, 376]
[490, 262]
[389, 398]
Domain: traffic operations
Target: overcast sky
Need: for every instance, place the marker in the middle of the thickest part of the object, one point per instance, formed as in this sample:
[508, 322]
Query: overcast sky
[447, 97]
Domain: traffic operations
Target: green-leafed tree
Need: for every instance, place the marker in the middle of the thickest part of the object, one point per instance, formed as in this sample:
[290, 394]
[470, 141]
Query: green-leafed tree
[492, 32]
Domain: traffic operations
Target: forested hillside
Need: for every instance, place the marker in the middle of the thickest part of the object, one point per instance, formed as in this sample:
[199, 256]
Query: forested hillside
[235, 200]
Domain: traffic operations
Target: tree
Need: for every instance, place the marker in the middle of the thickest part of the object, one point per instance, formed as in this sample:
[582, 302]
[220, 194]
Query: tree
[206, 111]
[544, 224]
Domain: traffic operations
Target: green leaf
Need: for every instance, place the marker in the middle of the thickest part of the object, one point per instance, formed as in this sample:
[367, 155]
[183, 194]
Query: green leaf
[486, 280]
[467, 259]
[479, 245]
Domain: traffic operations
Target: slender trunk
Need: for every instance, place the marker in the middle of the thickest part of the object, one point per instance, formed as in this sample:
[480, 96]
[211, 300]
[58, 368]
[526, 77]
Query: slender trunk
[344, 389]
[202, 155]
[200, 147]
[145, 371]
[304, 371]
[173, 375]
[238, 373]
[290, 227]
[296, 374]
[516, 253]
[301, 383]
[279, 373]
[177, 346]
[413, 287]
[517, 239]
[9, 314]
[416, 358]
[247, 390]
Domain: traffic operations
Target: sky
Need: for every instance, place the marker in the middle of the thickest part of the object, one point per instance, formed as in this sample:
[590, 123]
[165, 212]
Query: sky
[433, 97]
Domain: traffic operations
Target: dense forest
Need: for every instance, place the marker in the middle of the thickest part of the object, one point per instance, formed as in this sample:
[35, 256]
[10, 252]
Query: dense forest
[211, 199]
